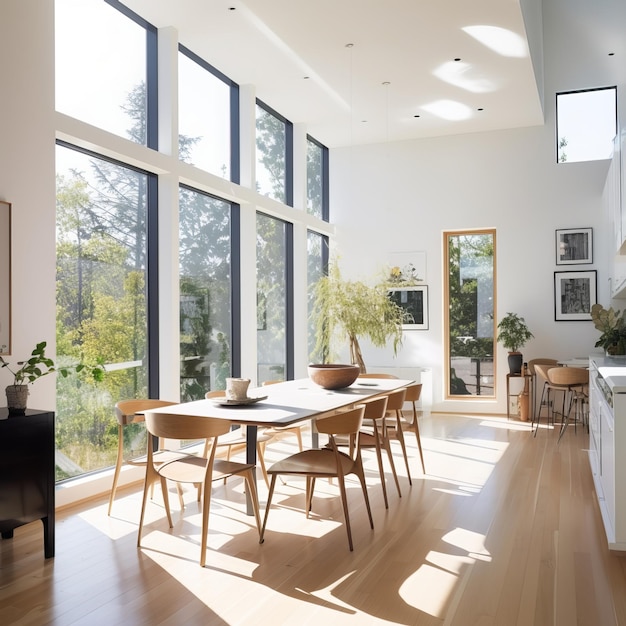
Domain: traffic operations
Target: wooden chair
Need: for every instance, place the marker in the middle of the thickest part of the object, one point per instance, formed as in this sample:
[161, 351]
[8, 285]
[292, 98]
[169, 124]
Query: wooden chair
[327, 463]
[377, 376]
[131, 412]
[235, 440]
[535, 379]
[413, 393]
[375, 437]
[574, 382]
[193, 469]
[393, 423]
[547, 396]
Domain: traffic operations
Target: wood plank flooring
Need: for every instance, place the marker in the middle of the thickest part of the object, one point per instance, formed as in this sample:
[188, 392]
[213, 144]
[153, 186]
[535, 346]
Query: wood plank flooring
[503, 530]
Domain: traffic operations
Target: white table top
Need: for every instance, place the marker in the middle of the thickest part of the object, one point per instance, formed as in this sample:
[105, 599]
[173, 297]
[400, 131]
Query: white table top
[288, 402]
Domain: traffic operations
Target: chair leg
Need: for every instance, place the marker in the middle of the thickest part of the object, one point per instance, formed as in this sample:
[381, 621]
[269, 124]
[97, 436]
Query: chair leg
[360, 472]
[267, 507]
[344, 502]
[416, 430]
[387, 446]
[381, 471]
[260, 452]
[400, 436]
[250, 479]
[118, 465]
[206, 507]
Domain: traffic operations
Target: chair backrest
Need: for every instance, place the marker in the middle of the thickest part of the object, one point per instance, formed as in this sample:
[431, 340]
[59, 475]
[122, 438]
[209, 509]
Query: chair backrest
[174, 426]
[375, 408]
[541, 369]
[271, 382]
[413, 392]
[568, 376]
[131, 411]
[395, 399]
[219, 393]
[541, 361]
[377, 376]
[342, 423]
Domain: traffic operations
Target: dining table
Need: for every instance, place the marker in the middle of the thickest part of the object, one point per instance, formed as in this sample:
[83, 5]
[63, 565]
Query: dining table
[285, 404]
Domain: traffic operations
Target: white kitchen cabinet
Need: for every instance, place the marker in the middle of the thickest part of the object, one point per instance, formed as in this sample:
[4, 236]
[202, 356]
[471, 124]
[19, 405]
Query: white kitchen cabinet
[607, 434]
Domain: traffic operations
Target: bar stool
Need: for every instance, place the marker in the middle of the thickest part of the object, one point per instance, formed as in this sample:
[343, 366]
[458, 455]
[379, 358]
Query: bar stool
[574, 382]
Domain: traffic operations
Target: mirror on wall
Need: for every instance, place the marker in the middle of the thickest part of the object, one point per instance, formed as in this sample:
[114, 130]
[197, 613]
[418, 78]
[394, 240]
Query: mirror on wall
[470, 321]
[5, 278]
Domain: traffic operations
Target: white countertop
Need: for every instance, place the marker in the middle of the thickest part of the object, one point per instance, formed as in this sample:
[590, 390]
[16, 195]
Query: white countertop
[613, 370]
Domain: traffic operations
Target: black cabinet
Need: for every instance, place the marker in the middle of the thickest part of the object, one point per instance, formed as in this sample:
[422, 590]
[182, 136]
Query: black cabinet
[27, 473]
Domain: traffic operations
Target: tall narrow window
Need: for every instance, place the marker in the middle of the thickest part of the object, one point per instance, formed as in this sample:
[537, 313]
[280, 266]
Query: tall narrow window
[272, 312]
[204, 115]
[272, 148]
[101, 67]
[469, 312]
[317, 179]
[317, 266]
[102, 226]
[205, 293]
[586, 123]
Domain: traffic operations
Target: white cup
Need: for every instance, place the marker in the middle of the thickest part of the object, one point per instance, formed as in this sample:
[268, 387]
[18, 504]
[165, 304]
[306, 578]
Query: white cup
[237, 388]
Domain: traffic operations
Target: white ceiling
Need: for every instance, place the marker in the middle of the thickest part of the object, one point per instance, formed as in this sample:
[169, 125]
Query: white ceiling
[295, 54]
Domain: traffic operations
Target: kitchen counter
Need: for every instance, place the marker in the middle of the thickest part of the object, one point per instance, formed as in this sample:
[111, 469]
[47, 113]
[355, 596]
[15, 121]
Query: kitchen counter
[607, 435]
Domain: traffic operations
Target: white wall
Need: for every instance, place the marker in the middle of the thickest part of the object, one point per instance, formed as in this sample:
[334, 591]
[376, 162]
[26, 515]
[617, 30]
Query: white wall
[400, 197]
[27, 178]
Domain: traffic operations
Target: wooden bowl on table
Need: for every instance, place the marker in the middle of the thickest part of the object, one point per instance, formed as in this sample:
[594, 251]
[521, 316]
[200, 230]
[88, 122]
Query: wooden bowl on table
[333, 375]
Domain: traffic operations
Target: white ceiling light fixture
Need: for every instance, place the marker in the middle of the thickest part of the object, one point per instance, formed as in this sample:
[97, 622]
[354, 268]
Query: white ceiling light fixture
[501, 40]
[449, 110]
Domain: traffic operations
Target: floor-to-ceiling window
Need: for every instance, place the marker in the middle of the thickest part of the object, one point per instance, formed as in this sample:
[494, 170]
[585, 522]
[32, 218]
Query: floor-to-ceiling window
[272, 304]
[119, 197]
[317, 266]
[102, 229]
[205, 293]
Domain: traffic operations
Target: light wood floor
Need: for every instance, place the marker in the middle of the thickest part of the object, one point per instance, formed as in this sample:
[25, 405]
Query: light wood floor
[503, 530]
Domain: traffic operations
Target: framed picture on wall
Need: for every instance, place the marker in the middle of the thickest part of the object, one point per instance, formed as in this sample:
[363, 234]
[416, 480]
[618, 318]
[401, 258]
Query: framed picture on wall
[574, 246]
[574, 295]
[414, 300]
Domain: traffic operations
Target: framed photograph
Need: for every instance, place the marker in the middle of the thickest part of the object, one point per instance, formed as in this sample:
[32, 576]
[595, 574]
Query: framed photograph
[414, 300]
[574, 295]
[574, 246]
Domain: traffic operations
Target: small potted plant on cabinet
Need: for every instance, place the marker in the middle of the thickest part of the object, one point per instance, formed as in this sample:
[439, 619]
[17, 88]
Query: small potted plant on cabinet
[513, 334]
[35, 367]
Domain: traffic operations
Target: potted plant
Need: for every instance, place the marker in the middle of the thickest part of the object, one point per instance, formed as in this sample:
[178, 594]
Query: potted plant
[612, 327]
[513, 335]
[349, 310]
[34, 368]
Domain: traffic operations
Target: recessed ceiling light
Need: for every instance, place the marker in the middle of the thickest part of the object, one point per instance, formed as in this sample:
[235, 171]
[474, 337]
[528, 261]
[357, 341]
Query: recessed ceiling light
[611, 54]
[457, 59]
[416, 115]
[232, 8]
[480, 109]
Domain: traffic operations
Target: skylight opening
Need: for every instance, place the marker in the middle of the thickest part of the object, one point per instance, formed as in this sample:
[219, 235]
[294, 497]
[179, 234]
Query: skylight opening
[586, 124]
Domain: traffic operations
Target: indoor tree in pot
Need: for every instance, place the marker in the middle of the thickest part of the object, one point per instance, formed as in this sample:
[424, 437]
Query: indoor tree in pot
[346, 310]
[513, 335]
[35, 367]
